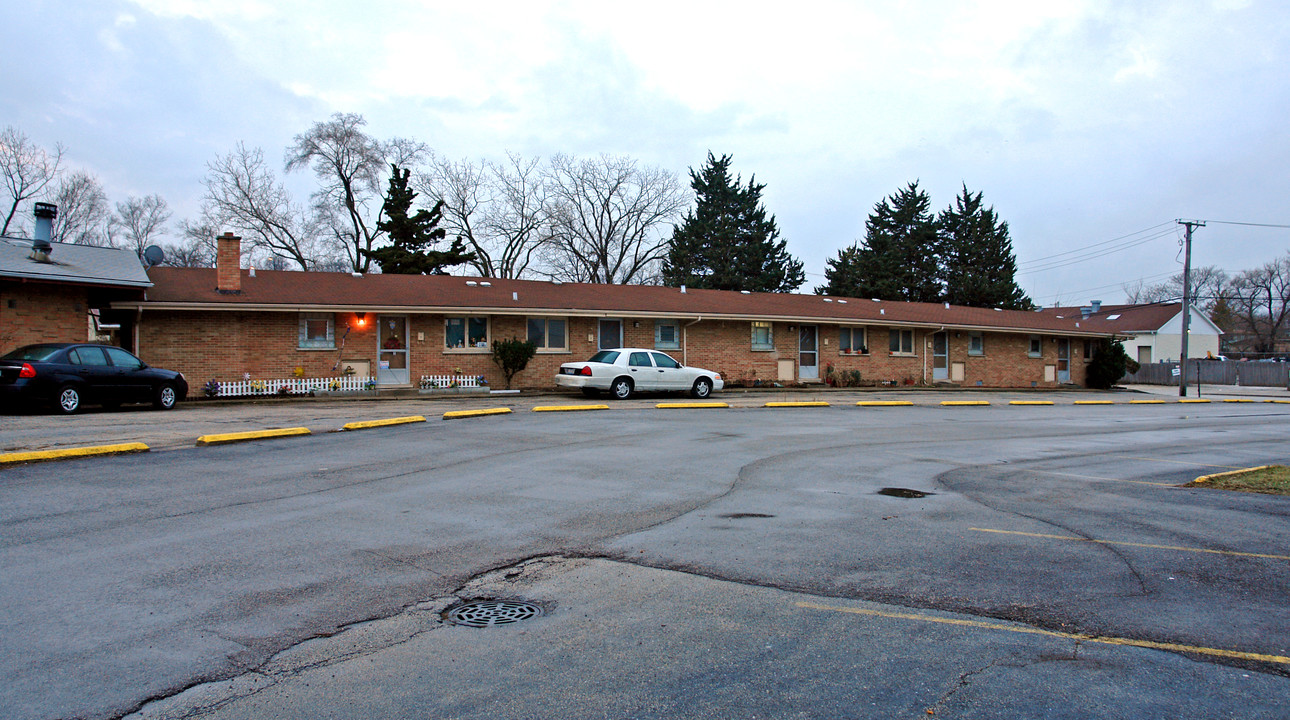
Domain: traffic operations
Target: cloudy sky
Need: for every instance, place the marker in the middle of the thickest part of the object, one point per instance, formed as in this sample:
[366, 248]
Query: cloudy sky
[1086, 124]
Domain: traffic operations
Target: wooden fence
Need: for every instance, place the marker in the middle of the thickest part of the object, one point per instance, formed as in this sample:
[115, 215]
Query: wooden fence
[1215, 372]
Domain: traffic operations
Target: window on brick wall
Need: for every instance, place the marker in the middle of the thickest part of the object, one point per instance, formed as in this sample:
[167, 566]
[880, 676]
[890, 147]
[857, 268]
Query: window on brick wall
[762, 339]
[1089, 349]
[976, 343]
[317, 330]
[667, 335]
[852, 340]
[902, 342]
[465, 332]
[1036, 346]
[549, 333]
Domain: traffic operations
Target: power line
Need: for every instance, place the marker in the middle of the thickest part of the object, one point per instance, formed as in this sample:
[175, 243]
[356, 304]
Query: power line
[1249, 224]
[1055, 264]
[1157, 276]
[1041, 260]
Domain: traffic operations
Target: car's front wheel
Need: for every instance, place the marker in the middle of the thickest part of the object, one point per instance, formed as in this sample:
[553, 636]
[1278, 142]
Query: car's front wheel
[702, 388]
[621, 389]
[165, 398]
[69, 400]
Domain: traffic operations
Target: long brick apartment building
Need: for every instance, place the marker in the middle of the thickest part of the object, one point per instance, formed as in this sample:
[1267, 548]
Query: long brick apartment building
[229, 322]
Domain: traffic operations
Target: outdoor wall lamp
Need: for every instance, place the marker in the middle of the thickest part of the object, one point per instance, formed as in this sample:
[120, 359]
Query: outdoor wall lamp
[361, 317]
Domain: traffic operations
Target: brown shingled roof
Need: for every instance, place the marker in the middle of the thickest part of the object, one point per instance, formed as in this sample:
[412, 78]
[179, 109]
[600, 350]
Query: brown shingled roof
[194, 288]
[1122, 319]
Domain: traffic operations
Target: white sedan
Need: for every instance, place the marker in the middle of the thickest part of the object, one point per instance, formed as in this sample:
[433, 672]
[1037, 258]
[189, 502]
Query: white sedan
[623, 371]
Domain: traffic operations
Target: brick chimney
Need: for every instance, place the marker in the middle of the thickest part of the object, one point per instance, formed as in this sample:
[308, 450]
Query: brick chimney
[228, 263]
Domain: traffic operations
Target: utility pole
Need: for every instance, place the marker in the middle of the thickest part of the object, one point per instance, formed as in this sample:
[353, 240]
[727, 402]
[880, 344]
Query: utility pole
[1186, 322]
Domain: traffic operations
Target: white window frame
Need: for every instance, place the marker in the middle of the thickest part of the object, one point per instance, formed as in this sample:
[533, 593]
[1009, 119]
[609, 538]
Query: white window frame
[327, 343]
[465, 333]
[978, 339]
[659, 344]
[901, 351]
[769, 344]
[849, 334]
[1036, 340]
[544, 346]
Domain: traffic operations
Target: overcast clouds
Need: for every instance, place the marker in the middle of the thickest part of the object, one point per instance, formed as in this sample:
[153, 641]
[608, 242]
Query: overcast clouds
[1081, 121]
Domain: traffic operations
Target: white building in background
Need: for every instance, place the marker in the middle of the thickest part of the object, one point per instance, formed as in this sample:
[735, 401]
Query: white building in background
[1151, 332]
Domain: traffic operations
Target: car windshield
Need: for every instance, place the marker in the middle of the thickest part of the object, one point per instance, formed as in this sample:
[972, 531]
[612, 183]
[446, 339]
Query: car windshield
[32, 352]
[605, 356]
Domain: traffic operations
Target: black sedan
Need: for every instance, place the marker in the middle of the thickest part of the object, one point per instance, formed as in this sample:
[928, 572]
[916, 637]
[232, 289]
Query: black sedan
[69, 375]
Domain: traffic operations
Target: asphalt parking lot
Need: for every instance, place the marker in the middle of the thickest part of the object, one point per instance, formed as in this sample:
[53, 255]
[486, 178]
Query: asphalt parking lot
[703, 563]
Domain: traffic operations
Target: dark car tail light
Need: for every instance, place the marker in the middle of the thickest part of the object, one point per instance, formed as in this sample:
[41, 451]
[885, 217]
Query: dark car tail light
[586, 370]
[27, 371]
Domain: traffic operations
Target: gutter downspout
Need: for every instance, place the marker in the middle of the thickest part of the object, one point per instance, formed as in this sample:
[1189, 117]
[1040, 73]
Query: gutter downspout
[137, 330]
[685, 340]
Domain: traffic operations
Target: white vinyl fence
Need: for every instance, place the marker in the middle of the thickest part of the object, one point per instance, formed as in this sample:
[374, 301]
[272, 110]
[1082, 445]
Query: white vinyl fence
[446, 381]
[295, 386]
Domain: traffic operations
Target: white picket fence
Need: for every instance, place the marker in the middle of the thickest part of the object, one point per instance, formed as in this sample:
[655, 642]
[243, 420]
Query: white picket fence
[446, 381]
[295, 386]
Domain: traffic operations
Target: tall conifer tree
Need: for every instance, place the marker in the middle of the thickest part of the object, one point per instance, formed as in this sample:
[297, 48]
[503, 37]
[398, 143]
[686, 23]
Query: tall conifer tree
[901, 255]
[413, 235]
[727, 242]
[979, 266]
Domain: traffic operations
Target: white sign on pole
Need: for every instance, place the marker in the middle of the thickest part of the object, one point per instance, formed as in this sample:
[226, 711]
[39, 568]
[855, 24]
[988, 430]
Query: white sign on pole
[1176, 372]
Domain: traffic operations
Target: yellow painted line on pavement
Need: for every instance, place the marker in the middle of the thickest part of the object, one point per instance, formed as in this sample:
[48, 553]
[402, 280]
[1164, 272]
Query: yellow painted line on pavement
[1147, 402]
[1194, 400]
[69, 453]
[885, 403]
[1237, 400]
[692, 406]
[964, 403]
[455, 414]
[365, 424]
[568, 408]
[1030, 402]
[1229, 473]
[1103, 639]
[224, 438]
[1094, 402]
[1133, 544]
[816, 403]
[1095, 477]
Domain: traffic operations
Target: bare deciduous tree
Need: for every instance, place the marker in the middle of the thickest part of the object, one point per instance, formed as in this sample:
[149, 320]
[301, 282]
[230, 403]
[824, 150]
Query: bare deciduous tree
[607, 218]
[137, 221]
[244, 196]
[26, 168]
[82, 210]
[351, 168]
[498, 209]
[1207, 285]
[1258, 301]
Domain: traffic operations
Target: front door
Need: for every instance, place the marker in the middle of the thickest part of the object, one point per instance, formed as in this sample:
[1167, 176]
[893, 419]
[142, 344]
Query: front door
[940, 356]
[808, 356]
[392, 358]
[1063, 360]
[611, 334]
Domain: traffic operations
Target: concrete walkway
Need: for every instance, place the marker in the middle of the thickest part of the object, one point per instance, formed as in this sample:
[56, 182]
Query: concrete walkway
[1215, 392]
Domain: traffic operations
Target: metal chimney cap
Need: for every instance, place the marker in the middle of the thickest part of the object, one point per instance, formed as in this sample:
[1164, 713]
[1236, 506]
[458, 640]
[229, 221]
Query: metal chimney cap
[45, 210]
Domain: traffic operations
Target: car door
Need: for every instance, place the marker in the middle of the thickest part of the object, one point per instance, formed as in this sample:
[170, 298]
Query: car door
[642, 370]
[98, 379]
[670, 375]
[135, 384]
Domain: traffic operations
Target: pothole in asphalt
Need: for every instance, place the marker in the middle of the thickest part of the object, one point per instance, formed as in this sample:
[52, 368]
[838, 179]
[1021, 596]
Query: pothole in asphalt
[904, 493]
[741, 516]
[491, 613]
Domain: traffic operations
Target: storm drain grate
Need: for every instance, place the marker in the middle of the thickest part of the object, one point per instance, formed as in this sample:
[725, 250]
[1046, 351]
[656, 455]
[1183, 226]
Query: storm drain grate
[490, 613]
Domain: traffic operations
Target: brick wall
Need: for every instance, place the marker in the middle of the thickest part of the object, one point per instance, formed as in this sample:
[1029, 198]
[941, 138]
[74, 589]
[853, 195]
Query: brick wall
[224, 345]
[39, 312]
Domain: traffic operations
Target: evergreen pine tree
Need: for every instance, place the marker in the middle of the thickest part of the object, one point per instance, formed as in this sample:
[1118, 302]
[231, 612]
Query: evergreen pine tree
[900, 257]
[726, 242]
[979, 265]
[413, 235]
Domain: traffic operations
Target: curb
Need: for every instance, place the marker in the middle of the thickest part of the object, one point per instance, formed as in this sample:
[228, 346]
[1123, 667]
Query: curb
[456, 414]
[1094, 402]
[694, 406]
[1030, 402]
[70, 453]
[225, 438]
[815, 403]
[885, 403]
[964, 403]
[568, 408]
[1147, 402]
[1207, 478]
[365, 424]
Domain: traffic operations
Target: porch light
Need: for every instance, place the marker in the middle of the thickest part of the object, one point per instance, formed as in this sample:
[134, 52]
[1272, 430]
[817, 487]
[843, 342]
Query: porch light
[361, 317]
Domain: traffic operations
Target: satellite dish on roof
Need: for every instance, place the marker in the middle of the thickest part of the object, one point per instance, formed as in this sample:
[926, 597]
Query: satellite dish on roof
[153, 256]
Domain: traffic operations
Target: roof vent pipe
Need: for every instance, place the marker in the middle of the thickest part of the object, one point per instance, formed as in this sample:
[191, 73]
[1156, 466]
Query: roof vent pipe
[515, 296]
[1096, 304]
[45, 214]
[682, 289]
